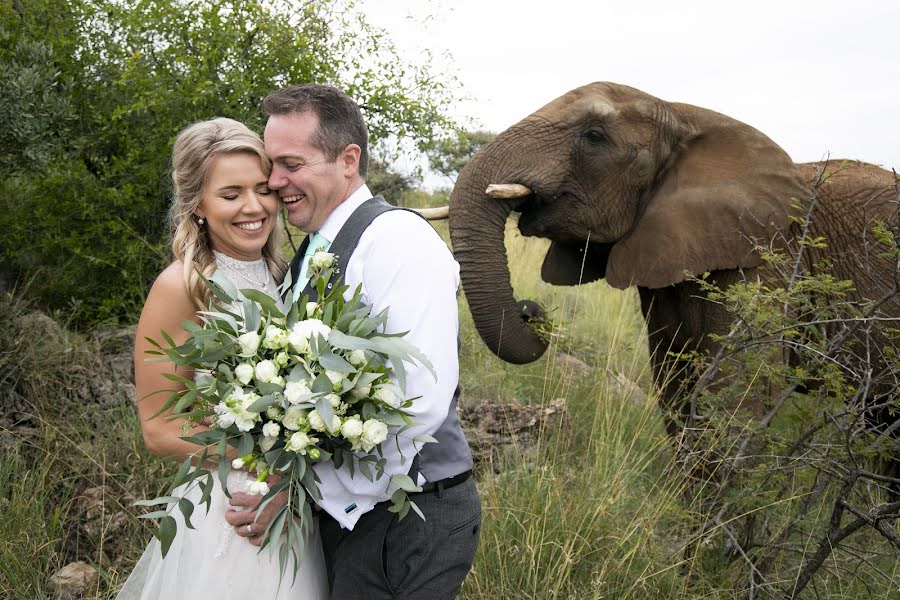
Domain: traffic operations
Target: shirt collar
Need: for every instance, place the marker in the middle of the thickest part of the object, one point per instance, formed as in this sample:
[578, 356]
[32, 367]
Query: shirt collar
[339, 215]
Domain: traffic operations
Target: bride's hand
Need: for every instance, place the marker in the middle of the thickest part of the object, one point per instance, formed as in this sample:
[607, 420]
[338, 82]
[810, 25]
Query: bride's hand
[249, 523]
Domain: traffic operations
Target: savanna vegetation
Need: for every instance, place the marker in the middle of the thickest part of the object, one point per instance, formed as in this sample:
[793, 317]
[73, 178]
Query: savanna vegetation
[599, 503]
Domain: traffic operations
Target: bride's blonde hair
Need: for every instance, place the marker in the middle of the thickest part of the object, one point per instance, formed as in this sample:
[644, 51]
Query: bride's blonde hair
[192, 155]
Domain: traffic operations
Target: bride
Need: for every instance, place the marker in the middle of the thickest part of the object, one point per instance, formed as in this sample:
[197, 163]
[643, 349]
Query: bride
[223, 218]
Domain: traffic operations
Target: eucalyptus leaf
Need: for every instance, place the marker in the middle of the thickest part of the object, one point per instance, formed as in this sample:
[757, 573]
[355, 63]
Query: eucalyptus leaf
[322, 385]
[155, 501]
[262, 404]
[245, 446]
[187, 509]
[325, 410]
[333, 362]
[166, 533]
[265, 302]
[251, 315]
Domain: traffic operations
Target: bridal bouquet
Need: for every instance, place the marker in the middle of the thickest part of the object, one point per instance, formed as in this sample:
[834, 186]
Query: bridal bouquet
[287, 389]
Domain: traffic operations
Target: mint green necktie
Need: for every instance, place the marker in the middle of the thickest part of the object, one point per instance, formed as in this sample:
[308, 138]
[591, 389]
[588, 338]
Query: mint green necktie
[316, 243]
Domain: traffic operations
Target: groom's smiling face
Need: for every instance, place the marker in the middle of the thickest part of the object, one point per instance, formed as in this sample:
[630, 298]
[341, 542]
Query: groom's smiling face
[310, 185]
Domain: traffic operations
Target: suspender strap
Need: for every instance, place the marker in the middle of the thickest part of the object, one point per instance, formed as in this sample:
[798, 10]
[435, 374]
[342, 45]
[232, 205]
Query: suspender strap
[346, 240]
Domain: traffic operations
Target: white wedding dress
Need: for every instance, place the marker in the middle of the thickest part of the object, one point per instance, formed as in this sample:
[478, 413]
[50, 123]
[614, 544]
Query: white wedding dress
[211, 561]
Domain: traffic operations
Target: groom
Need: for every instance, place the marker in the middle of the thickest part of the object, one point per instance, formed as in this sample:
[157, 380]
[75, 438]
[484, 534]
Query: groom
[317, 140]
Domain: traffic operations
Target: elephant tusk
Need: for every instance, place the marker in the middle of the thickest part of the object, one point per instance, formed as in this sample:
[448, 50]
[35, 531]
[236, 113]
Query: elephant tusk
[434, 214]
[506, 191]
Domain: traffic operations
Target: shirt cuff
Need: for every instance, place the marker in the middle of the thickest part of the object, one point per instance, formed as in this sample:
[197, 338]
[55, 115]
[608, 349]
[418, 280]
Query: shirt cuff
[345, 507]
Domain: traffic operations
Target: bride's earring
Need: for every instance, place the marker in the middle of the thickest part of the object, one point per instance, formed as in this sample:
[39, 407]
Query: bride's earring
[201, 221]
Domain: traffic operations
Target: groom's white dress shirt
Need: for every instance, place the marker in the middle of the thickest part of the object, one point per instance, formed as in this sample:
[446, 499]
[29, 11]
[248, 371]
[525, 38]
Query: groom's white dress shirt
[402, 263]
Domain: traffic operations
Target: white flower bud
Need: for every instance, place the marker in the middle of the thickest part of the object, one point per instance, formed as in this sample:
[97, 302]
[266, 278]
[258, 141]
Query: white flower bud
[352, 428]
[294, 418]
[276, 337]
[244, 372]
[257, 488]
[266, 370]
[271, 429]
[321, 260]
[357, 358]
[386, 394]
[249, 343]
[373, 433]
[295, 390]
[298, 443]
[316, 421]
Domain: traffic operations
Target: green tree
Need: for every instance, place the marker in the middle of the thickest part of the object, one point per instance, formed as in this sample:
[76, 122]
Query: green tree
[450, 155]
[96, 90]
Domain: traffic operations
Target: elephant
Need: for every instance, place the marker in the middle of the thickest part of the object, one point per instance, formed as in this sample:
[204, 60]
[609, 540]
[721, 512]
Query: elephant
[648, 193]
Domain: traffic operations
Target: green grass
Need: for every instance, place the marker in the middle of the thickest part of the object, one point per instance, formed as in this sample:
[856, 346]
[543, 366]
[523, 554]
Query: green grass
[593, 509]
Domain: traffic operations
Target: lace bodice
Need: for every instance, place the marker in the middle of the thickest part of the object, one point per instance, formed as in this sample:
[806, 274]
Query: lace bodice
[247, 273]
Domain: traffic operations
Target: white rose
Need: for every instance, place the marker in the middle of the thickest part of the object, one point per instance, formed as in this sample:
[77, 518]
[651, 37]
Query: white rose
[271, 429]
[257, 488]
[352, 428]
[282, 359]
[266, 443]
[249, 343]
[316, 421]
[298, 341]
[334, 400]
[298, 443]
[277, 380]
[311, 327]
[357, 358]
[361, 392]
[244, 372]
[295, 390]
[387, 395]
[311, 307]
[373, 433]
[335, 425]
[294, 418]
[266, 370]
[321, 260]
[276, 337]
[275, 412]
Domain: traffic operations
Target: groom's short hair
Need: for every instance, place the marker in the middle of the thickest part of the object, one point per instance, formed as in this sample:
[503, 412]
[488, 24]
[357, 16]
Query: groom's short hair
[340, 120]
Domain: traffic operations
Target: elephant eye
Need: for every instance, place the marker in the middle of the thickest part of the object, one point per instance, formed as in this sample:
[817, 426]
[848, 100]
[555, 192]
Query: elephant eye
[594, 135]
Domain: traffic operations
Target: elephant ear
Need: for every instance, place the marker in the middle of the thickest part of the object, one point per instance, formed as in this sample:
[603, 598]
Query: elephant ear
[572, 264]
[726, 190]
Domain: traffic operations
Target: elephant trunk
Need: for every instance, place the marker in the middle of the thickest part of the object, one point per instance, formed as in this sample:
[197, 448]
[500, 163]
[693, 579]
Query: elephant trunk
[477, 227]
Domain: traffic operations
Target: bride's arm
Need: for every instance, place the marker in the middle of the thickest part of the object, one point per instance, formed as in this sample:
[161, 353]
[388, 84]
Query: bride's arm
[167, 305]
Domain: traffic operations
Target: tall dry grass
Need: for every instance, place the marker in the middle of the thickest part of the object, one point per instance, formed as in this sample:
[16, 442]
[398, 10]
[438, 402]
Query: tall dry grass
[592, 509]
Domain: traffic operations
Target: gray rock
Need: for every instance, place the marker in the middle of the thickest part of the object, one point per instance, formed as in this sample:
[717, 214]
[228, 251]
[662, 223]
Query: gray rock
[72, 581]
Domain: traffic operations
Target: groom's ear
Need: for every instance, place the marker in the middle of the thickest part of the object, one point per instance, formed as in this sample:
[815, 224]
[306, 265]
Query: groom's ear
[350, 160]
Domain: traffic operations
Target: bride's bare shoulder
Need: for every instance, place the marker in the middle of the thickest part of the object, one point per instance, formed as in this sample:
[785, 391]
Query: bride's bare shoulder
[168, 293]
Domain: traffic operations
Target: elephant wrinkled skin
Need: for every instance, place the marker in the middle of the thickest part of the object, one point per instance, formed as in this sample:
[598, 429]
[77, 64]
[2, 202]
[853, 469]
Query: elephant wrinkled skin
[641, 191]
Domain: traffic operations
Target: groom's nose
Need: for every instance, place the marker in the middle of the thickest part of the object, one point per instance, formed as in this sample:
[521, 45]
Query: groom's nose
[277, 179]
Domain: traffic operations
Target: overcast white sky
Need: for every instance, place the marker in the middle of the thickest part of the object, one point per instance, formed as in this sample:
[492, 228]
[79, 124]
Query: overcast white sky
[818, 76]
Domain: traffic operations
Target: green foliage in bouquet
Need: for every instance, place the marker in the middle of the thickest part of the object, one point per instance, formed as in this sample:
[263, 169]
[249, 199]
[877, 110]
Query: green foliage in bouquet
[287, 389]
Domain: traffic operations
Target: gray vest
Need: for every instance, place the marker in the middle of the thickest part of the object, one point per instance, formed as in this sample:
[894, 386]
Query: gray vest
[451, 455]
